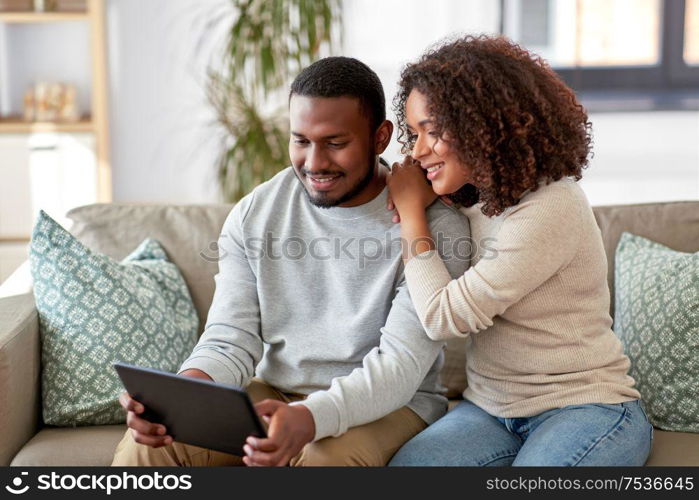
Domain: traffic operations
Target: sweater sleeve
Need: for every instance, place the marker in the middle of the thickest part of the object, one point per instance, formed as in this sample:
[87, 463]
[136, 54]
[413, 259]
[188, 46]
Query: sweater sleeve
[230, 347]
[538, 237]
[387, 380]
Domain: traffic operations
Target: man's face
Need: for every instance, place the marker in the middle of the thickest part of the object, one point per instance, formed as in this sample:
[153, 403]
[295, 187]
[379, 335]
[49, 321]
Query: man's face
[331, 149]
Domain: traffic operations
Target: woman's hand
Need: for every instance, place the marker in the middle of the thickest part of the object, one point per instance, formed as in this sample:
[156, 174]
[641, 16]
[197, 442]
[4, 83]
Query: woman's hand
[408, 189]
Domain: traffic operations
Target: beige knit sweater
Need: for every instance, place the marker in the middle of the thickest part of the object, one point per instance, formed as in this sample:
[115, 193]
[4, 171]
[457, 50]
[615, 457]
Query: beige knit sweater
[534, 307]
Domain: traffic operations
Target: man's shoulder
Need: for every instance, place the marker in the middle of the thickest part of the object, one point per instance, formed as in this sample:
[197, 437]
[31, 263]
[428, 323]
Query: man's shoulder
[450, 228]
[444, 217]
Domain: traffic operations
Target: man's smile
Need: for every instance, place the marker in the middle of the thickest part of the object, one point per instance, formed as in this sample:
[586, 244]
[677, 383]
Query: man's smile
[323, 182]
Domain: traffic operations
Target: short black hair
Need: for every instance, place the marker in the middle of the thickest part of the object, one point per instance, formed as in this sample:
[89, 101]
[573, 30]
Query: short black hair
[343, 77]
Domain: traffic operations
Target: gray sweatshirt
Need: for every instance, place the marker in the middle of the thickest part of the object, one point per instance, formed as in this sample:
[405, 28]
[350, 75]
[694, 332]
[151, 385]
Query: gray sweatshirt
[314, 301]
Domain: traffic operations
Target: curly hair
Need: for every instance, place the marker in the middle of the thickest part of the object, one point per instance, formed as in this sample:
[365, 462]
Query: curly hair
[506, 114]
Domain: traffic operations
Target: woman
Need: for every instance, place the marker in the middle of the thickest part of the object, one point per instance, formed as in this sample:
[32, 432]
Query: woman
[497, 132]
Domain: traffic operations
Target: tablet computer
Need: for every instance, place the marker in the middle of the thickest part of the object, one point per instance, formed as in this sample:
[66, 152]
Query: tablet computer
[194, 411]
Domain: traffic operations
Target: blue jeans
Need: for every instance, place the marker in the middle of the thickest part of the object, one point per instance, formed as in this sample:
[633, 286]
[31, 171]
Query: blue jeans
[575, 435]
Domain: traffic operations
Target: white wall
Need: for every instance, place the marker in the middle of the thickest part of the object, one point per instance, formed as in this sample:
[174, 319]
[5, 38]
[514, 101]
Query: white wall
[643, 157]
[163, 141]
[164, 146]
[388, 46]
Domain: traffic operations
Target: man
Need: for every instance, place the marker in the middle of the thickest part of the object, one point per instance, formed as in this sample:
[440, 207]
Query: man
[311, 299]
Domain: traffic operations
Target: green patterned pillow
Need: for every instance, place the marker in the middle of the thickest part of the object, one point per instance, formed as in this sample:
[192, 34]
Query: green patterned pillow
[657, 320]
[94, 311]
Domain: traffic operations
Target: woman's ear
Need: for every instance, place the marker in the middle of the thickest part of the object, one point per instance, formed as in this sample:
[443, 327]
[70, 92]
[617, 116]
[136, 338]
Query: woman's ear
[382, 136]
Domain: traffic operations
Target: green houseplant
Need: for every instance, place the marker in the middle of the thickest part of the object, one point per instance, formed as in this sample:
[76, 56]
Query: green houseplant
[268, 43]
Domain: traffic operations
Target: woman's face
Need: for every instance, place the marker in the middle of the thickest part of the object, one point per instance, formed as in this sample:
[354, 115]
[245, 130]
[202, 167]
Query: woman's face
[435, 154]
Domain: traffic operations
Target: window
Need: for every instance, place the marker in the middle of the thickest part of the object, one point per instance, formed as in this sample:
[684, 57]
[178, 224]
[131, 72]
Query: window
[691, 33]
[589, 33]
[611, 50]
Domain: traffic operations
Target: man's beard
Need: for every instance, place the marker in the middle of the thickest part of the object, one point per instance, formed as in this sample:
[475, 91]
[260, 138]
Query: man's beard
[322, 200]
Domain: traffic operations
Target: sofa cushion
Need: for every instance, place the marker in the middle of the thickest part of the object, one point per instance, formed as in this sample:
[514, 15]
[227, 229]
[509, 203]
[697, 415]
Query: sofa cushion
[19, 373]
[88, 446]
[657, 320]
[674, 224]
[674, 449]
[94, 311]
[453, 374]
[188, 233]
[63, 446]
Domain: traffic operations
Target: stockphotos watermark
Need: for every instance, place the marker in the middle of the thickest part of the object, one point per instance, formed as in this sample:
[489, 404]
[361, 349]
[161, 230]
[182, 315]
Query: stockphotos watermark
[361, 250]
[106, 483]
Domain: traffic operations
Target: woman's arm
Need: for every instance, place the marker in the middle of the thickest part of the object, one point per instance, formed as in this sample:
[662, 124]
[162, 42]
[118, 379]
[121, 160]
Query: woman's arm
[415, 234]
[411, 195]
[538, 237]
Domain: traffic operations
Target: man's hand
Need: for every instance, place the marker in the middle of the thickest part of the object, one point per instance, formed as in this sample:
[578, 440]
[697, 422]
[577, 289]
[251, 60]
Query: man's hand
[290, 429]
[143, 431]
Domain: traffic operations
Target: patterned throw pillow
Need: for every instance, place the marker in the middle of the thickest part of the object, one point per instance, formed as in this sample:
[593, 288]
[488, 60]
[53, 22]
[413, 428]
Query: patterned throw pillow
[94, 311]
[657, 320]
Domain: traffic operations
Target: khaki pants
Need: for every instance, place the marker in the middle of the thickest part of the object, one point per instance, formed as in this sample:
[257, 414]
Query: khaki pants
[372, 444]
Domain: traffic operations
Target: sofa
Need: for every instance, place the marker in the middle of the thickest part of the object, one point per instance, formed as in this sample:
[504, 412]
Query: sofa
[189, 234]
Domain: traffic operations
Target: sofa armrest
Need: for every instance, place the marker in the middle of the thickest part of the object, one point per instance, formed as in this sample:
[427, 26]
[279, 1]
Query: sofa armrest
[20, 362]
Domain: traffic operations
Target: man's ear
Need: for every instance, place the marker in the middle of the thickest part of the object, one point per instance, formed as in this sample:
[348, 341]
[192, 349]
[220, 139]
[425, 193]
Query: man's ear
[382, 136]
